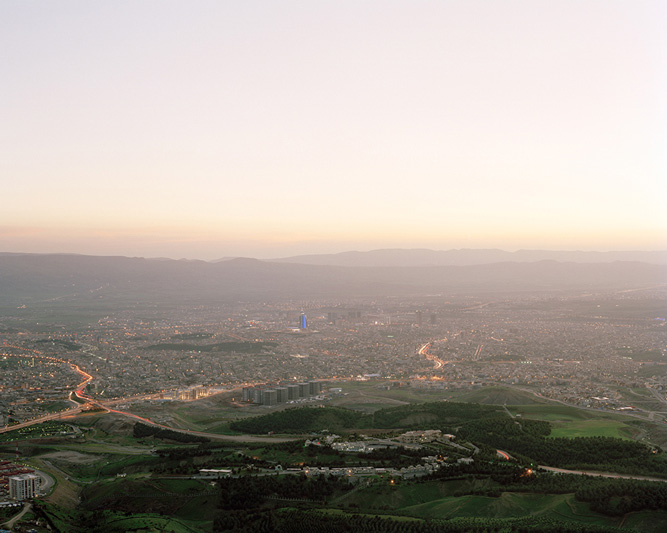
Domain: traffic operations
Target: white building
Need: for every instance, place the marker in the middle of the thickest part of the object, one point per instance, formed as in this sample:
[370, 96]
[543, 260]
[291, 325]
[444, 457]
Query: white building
[23, 486]
[428, 435]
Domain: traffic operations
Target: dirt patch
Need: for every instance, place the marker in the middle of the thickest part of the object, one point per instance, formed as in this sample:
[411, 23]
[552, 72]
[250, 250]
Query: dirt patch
[116, 425]
[72, 457]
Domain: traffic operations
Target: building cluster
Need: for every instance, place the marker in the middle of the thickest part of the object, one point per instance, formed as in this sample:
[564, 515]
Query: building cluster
[363, 471]
[186, 395]
[274, 394]
[571, 348]
[428, 435]
[31, 385]
[17, 482]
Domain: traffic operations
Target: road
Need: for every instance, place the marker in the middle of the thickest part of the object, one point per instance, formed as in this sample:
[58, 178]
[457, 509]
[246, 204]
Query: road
[601, 474]
[55, 416]
[10, 523]
[46, 482]
[437, 362]
[583, 408]
[105, 406]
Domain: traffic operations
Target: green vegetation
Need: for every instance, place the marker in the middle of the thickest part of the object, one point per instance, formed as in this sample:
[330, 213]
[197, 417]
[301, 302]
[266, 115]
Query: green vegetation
[144, 430]
[68, 345]
[552, 412]
[646, 521]
[623, 496]
[591, 428]
[38, 431]
[192, 336]
[300, 520]
[238, 347]
[434, 415]
[481, 424]
[299, 420]
[115, 521]
[499, 396]
[486, 495]
[252, 491]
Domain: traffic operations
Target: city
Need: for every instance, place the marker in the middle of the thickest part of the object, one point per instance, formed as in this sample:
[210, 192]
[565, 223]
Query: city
[285, 267]
[570, 349]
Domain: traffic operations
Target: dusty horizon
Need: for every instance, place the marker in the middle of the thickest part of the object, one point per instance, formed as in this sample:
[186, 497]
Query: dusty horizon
[275, 129]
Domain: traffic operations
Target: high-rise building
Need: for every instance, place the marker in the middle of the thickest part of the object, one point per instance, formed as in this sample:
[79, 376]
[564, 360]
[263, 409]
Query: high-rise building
[248, 394]
[303, 324]
[304, 390]
[293, 391]
[314, 388]
[269, 397]
[23, 486]
[257, 396]
[282, 394]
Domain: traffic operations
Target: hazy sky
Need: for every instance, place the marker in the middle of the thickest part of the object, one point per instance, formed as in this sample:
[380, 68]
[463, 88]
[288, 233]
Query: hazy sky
[205, 129]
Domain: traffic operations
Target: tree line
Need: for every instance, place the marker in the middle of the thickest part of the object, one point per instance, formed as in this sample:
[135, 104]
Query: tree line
[141, 431]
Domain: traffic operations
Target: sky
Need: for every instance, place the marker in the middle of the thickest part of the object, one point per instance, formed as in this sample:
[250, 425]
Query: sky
[210, 129]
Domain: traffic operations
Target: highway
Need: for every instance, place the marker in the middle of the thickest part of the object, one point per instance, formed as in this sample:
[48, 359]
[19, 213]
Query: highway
[437, 362]
[87, 378]
[601, 474]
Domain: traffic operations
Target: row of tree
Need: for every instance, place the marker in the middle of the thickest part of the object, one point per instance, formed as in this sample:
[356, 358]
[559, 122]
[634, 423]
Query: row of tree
[250, 492]
[299, 420]
[307, 521]
[141, 431]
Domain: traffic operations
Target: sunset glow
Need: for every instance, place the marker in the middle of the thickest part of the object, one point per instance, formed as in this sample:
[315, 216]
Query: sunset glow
[272, 129]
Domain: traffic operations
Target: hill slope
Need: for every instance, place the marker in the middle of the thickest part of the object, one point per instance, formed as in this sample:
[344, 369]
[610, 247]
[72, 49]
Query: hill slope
[62, 279]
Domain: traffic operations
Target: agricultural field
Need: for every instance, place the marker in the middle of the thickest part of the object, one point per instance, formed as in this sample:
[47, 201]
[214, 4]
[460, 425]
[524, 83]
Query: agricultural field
[591, 428]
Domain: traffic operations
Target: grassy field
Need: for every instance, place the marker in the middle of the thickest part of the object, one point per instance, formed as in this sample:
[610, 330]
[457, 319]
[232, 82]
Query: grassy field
[369, 396]
[119, 522]
[552, 412]
[569, 421]
[591, 428]
[646, 522]
[436, 500]
[375, 392]
[498, 396]
[154, 522]
[190, 503]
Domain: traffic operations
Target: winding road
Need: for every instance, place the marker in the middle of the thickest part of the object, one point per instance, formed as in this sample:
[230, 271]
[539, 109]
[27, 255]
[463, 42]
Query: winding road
[601, 474]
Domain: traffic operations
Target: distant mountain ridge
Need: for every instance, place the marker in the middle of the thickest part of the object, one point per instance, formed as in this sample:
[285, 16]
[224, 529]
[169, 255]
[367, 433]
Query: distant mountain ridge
[465, 257]
[62, 280]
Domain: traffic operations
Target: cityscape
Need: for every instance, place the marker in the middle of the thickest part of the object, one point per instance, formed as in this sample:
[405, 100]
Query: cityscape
[556, 346]
[602, 352]
[295, 267]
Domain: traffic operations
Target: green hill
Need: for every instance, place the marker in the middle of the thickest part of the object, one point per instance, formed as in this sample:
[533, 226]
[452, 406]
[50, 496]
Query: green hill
[499, 396]
[299, 420]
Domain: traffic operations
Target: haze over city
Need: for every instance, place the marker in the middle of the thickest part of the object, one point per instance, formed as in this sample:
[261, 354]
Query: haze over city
[285, 266]
[269, 129]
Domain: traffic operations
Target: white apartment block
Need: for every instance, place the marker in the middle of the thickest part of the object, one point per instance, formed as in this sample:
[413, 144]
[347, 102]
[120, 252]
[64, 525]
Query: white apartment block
[23, 486]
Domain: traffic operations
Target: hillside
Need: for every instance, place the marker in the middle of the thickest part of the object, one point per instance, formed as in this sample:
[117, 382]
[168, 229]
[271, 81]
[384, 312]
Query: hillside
[467, 257]
[99, 282]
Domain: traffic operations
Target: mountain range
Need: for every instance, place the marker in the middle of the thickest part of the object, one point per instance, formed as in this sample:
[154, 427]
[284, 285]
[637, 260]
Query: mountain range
[463, 257]
[27, 279]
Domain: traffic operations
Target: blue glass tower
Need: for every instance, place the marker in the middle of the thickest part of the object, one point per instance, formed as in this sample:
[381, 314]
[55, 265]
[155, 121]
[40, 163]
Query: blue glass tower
[302, 321]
